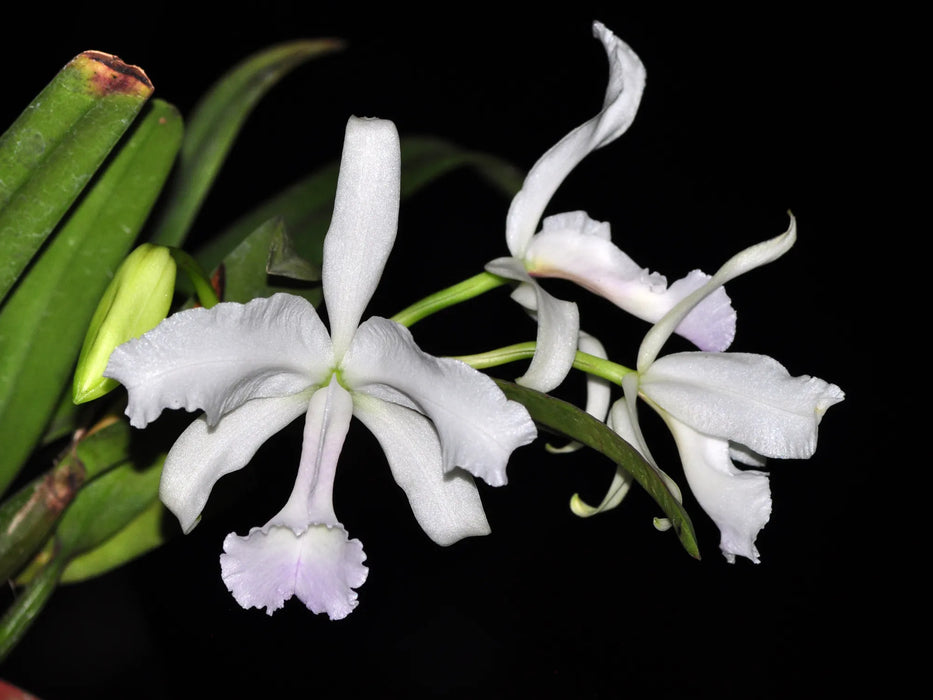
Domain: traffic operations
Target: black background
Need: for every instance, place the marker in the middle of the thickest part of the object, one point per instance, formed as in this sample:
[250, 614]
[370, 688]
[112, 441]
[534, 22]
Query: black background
[744, 117]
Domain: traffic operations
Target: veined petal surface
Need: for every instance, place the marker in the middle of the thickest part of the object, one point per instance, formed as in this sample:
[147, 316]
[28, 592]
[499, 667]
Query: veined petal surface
[217, 359]
[477, 425]
[446, 505]
[746, 398]
[363, 228]
[623, 95]
[202, 454]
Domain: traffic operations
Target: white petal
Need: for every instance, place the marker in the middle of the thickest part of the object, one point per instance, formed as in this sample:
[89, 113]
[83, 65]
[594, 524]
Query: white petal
[303, 550]
[745, 398]
[217, 359]
[326, 426]
[477, 426]
[446, 505]
[202, 454]
[739, 502]
[321, 566]
[574, 247]
[740, 263]
[362, 230]
[558, 328]
[623, 419]
[623, 94]
[598, 391]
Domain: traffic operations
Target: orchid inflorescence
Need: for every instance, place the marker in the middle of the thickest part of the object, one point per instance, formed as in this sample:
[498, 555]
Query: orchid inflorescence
[254, 368]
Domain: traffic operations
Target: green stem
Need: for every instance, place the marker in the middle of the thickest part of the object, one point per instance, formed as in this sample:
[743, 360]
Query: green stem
[29, 516]
[608, 370]
[472, 287]
[27, 606]
[202, 284]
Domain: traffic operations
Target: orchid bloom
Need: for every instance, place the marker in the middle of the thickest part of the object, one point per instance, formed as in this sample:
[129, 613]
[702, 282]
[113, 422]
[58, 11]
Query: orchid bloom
[726, 406]
[253, 368]
[573, 246]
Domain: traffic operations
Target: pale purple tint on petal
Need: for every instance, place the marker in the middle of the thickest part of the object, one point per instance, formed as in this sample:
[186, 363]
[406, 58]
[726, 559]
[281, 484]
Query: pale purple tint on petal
[740, 263]
[217, 359]
[572, 246]
[320, 566]
[477, 426]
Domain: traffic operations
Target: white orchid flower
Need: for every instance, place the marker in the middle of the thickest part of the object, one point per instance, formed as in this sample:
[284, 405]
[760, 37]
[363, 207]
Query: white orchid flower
[254, 368]
[727, 406]
[573, 246]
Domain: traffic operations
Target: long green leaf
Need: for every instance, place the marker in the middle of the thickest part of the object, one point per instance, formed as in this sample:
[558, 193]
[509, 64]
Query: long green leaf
[108, 504]
[43, 323]
[51, 151]
[576, 424]
[305, 207]
[214, 126]
[145, 532]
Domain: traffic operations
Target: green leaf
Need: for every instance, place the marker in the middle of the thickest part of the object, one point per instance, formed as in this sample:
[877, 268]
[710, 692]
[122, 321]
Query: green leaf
[426, 158]
[215, 123]
[304, 209]
[306, 206]
[29, 516]
[284, 260]
[106, 505]
[51, 151]
[245, 275]
[43, 323]
[142, 534]
[568, 420]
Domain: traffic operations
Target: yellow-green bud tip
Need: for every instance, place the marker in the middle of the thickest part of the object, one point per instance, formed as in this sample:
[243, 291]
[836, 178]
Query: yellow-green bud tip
[137, 299]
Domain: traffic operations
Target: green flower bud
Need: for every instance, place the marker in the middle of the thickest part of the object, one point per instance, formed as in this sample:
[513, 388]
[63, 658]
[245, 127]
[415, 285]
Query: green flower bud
[136, 300]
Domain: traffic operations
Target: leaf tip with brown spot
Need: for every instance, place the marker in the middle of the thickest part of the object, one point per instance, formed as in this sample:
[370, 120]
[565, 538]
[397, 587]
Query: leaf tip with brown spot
[107, 75]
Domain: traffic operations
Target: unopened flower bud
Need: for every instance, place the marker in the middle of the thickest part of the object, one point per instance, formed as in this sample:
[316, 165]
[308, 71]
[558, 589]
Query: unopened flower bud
[136, 300]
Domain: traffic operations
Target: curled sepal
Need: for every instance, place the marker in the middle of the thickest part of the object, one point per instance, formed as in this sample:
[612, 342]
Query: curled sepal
[618, 489]
[137, 299]
[740, 263]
